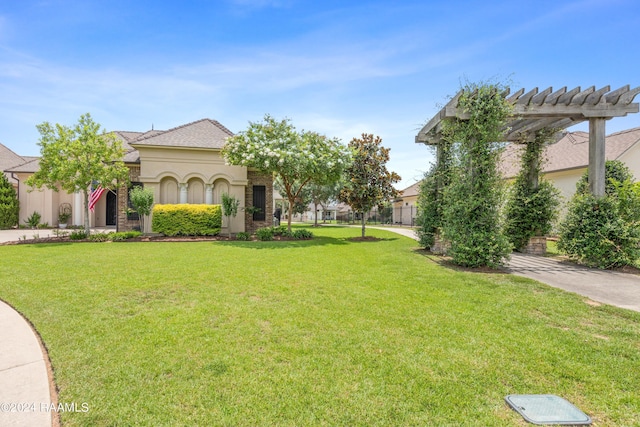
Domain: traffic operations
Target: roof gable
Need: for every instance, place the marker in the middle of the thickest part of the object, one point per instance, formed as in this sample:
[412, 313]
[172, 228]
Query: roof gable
[205, 133]
[411, 190]
[9, 159]
[32, 165]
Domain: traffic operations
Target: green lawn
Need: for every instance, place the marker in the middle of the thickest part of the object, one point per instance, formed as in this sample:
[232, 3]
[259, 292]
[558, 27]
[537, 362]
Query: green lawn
[322, 332]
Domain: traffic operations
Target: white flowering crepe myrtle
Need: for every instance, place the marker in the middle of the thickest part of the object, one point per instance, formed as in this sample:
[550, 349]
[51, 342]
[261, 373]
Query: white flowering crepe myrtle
[296, 158]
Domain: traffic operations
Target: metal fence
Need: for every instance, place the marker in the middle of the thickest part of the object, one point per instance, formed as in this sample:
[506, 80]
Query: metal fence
[405, 215]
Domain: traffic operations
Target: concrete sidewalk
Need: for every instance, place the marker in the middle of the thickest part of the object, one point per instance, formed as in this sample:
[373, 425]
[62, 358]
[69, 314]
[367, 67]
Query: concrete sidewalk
[24, 233]
[31, 234]
[25, 398]
[608, 287]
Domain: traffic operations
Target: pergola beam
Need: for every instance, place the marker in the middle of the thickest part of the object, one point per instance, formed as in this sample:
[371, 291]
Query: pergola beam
[535, 110]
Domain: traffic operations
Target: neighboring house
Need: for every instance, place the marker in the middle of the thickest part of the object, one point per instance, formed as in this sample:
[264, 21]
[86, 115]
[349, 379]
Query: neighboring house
[405, 206]
[180, 165]
[8, 160]
[567, 160]
[326, 213]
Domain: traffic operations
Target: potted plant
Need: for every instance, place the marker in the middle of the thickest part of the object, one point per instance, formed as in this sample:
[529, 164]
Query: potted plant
[63, 215]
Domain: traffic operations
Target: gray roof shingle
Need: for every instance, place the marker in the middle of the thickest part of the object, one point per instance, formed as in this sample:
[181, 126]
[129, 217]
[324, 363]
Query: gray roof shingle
[9, 159]
[205, 133]
[32, 165]
[570, 152]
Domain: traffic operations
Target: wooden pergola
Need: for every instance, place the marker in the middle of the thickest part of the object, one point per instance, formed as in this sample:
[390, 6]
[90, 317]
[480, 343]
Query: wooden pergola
[534, 111]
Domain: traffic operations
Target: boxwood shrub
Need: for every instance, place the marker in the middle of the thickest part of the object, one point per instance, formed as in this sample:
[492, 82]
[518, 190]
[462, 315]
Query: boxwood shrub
[187, 220]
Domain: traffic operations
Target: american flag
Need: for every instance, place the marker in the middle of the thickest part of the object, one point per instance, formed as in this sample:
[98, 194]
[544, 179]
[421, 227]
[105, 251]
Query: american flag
[95, 196]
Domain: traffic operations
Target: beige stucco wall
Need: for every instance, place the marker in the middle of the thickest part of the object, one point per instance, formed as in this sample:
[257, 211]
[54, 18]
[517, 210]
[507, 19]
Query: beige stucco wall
[46, 202]
[632, 159]
[165, 170]
[566, 181]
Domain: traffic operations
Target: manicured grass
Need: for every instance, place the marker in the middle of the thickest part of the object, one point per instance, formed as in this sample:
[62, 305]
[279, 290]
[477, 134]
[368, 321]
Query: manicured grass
[552, 248]
[322, 332]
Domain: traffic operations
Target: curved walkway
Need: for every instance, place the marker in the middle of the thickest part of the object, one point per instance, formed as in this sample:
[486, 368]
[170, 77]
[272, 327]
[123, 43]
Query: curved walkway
[25, 398]
[608, 287]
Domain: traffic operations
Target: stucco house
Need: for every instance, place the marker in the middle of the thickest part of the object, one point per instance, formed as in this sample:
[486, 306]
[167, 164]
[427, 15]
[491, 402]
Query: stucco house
[567, 160]
[405, 206]
[180, 165]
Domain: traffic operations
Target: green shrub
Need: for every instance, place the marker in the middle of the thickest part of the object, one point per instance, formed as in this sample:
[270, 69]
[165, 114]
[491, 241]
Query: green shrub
[530, 212]
[78, 235]
[604, 232]
[265, 233]
[124, 235]
[533, 204]
[9, 205]
[34, 220]
[281, 230]
[615, 173]
[100, 237]
[187, 220]
[243, 236]
[302, 234]
[595, 233]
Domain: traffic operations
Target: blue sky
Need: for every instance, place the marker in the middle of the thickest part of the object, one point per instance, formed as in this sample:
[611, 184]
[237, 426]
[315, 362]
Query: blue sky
[337, 67]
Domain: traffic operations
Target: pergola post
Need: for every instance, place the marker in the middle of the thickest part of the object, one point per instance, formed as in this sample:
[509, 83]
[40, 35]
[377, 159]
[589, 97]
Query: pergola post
[597, 156]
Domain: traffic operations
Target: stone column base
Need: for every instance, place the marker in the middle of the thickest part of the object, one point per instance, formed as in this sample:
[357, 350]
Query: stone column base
[537, 246]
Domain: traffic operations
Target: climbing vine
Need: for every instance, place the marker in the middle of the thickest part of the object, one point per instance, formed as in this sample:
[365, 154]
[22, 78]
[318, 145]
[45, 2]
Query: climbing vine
[430, 196]
[533, 203]
[471, 202]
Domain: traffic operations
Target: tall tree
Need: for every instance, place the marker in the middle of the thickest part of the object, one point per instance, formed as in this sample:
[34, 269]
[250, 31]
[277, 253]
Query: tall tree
[9, 205]
[75, 158]
[322, 195]
[295, 158]
[369, 183]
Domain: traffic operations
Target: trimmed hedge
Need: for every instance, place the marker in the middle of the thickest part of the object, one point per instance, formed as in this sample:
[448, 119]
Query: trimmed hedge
[187, 220]
[9, 206]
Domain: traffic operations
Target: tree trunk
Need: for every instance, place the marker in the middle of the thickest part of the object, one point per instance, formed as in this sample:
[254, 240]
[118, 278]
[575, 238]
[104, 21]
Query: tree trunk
[363, 224]
[289, 216]
[87, 226]
[315, 206]
[229, 225]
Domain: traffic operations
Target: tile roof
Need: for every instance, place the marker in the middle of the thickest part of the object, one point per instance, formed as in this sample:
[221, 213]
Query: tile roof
[205, 133]
[570, 152]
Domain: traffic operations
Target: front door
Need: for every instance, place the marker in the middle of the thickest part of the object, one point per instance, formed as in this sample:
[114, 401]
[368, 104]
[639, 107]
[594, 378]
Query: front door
[112, 208]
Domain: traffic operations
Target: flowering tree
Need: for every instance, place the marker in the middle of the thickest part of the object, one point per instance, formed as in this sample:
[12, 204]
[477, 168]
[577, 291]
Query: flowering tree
[369, 183]
[74, 158]
[295, 158]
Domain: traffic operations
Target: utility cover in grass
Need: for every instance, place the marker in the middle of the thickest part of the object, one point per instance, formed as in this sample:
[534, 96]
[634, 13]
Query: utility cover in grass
[547, 409]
